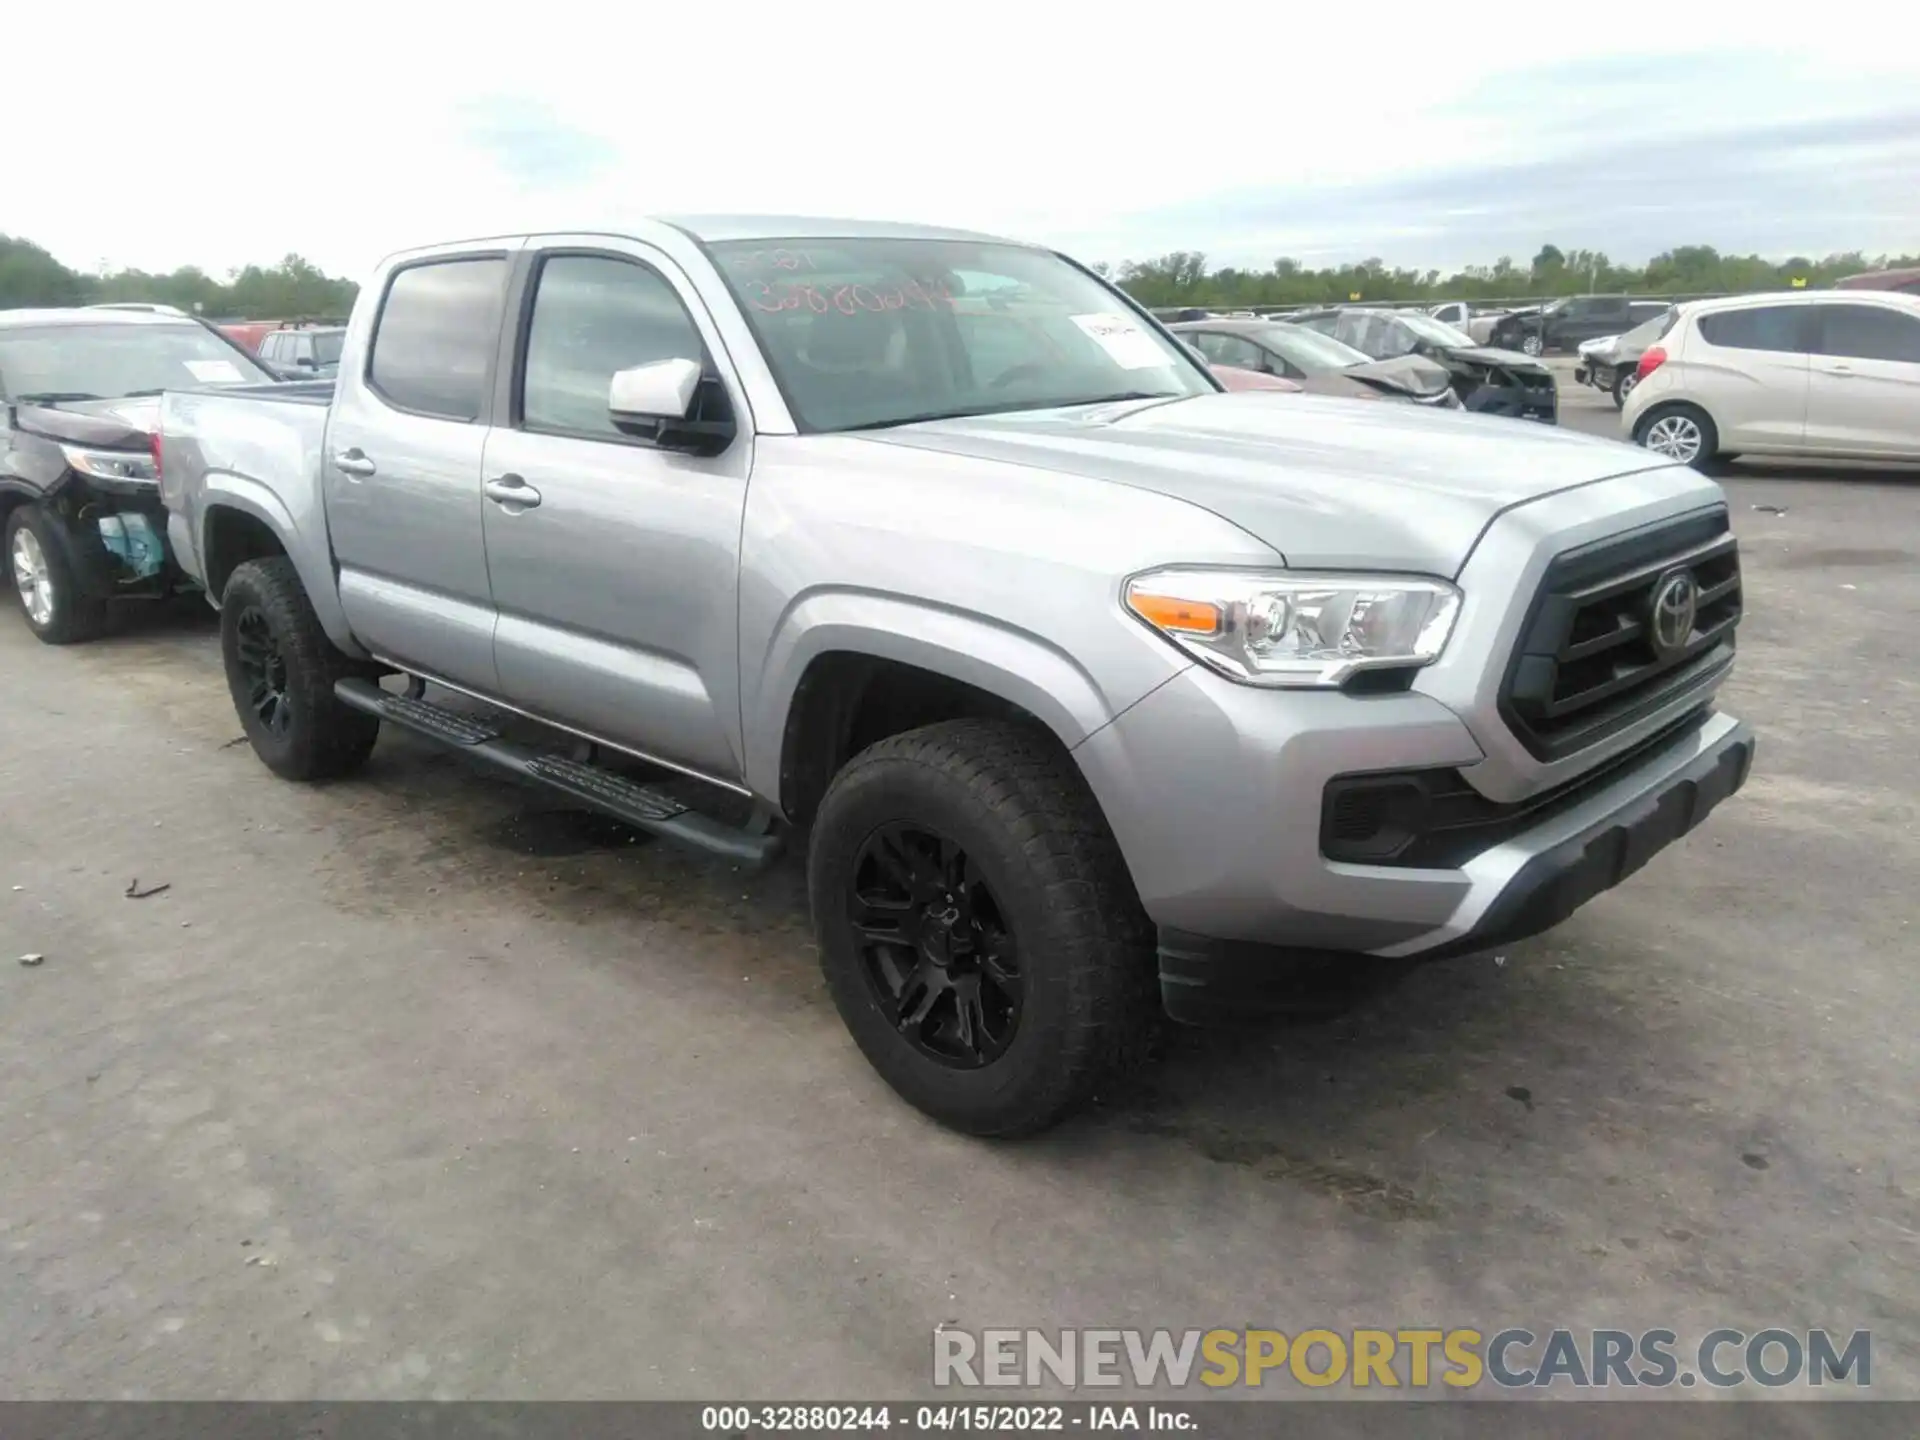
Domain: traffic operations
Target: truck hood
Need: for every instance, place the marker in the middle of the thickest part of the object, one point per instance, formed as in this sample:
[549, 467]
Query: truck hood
[1327, 483]
[101, 424]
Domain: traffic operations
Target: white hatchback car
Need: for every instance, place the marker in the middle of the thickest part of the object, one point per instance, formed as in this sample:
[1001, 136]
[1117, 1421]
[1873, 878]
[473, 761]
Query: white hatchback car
[1833, 373]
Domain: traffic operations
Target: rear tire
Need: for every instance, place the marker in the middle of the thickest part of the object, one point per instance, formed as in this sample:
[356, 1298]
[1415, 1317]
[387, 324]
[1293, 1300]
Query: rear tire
[1681, 432]
[978, 928]
[50, 594]
[281, 669]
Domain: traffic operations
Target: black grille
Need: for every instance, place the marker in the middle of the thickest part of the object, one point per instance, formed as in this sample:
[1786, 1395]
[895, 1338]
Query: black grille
[1589, 662]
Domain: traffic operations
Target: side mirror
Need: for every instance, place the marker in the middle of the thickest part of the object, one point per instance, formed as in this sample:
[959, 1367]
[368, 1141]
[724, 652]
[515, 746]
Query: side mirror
[305, 362]
[673, 403]
[661, 391]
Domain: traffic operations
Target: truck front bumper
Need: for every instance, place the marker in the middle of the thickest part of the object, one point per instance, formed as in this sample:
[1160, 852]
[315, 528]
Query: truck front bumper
[1216, 794]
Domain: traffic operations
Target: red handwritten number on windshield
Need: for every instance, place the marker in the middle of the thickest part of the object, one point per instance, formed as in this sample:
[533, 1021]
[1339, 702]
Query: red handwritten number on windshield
[773, 297]
[774, 259]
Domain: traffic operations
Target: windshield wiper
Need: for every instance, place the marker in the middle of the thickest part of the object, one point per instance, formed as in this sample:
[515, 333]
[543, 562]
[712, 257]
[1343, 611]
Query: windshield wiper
[53, 397]
[142, 394]
[929, 416]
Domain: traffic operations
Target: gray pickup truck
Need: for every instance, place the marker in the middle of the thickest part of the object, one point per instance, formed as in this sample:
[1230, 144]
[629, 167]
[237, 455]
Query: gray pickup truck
[1099, 693]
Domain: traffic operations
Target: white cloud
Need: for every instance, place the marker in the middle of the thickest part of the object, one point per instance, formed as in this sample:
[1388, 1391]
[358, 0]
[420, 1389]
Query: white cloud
[218, 134]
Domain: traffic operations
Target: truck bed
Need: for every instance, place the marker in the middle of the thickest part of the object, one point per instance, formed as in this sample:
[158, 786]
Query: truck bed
[256, 449]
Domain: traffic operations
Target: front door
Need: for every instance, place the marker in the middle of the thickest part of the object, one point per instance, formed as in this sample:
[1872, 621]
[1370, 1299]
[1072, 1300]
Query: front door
[1863, 392]
[402, 470]
[615, 563]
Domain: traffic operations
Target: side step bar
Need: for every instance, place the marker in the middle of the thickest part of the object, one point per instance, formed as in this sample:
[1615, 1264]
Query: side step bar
[638, 805]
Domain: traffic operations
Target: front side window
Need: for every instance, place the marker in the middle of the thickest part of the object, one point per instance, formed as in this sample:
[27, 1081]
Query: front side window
[433, 343]
[1868, 332]
[868, 332]
[592, 316]
[1236, 351]
[106, 362]
[327, 347]
[1761, 327]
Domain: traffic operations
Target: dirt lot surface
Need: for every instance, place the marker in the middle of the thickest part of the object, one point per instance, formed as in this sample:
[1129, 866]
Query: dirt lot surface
[408, 1087]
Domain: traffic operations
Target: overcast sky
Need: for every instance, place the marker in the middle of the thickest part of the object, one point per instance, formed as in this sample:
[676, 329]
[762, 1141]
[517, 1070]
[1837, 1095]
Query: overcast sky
[216, 134]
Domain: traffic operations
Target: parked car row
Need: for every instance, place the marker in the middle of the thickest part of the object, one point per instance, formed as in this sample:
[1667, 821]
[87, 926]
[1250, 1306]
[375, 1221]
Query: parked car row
[1315, 361]
[1487, 380]
[1104, 696]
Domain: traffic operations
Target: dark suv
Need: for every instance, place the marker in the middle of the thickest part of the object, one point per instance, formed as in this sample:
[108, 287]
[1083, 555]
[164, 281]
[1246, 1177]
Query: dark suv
[1563, 324]
[305, 352]
[79, 484]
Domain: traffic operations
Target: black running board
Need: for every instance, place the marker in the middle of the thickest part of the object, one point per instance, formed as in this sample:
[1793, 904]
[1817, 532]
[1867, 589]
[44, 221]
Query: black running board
[638, 805]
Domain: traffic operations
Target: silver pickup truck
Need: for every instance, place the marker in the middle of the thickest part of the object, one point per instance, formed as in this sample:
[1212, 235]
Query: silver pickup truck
[1098, 692]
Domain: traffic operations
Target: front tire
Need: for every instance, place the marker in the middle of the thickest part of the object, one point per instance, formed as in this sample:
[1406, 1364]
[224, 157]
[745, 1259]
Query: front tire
[1682, 433]
[56, 609]
[1623, 383]
[281, 669]
[1532, 345]
[978, 928]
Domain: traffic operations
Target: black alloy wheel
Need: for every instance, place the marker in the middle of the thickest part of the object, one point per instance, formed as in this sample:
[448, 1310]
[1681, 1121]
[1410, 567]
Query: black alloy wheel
[263, 670]
[935, 947]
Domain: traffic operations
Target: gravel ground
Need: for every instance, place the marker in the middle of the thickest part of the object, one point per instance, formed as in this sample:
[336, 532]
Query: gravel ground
[405, 1087]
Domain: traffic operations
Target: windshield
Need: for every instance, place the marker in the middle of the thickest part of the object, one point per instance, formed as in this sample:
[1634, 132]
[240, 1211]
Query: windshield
[1310, 350]
[864, 333]
[1433, 331]
[104, 362]
[326, 346]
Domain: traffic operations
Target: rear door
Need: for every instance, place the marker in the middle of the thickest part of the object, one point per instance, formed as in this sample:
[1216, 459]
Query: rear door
[1863, 390]
[1748, 368]
[615, 563]
[402, 466]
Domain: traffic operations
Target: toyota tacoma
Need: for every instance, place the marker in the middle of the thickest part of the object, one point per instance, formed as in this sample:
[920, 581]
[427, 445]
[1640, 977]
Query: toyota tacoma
[1099, 693]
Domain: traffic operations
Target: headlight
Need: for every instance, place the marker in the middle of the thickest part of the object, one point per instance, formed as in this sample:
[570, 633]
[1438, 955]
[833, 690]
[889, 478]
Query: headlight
[1292, 629]
[110, 464]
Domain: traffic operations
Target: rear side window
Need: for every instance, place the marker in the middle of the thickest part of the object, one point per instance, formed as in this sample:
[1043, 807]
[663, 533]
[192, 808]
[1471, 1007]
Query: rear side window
[1764, 327]
[433, 343]
[1869, 332]
[594, 315]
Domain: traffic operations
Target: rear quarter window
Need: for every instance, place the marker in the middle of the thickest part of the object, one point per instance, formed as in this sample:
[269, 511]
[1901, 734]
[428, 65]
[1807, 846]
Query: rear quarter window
[433, 343]
[1763, 327]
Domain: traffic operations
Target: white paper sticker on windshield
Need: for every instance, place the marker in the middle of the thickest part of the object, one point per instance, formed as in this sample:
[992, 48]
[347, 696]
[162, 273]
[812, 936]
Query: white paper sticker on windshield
[215, 372]
[1126, 344]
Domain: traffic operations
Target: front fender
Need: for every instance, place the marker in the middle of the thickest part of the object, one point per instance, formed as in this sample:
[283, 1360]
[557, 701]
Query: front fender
[311, 556]
[977, 650]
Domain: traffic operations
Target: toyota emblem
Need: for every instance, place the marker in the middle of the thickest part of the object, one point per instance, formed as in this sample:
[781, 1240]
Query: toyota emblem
[1676, 600]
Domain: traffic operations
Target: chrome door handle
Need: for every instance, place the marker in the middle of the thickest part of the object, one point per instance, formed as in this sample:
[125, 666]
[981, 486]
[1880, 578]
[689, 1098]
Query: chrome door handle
[353, 462]
[511, 490]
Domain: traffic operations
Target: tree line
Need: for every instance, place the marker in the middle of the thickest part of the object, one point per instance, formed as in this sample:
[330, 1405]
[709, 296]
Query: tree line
[296, 287]
[1182, 277]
